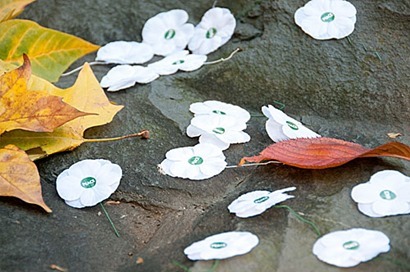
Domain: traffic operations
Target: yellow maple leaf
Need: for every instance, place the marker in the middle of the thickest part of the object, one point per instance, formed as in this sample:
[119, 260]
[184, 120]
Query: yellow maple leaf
[86, 95]
[11, 8]
[30, 110]
[51, 52]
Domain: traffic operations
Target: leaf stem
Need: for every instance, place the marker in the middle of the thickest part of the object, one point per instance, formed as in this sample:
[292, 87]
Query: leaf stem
[224, 59]
[109, 219]
[300, 218]
[79, 68]
[252, 164]
[143, 134]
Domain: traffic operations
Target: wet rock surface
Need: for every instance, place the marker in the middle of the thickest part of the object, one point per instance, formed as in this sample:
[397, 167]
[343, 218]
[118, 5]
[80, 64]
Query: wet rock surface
[355, 89]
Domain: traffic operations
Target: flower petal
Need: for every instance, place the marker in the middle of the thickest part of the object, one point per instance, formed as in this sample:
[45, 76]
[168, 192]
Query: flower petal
[274, 131]
[75, 203]
[208, 151]
[69, 188]
[144, 75]
[212, 139]
[364, 193]
[391, 207]
[168, 32]
[193, 131]
[350, 247]
[88, 198]
[367, 209]
[118, 78]
[123, 52]
[221, 246]
[180, 154]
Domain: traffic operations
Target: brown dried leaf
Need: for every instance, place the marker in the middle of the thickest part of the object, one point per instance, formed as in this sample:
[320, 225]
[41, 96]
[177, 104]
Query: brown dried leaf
[321, 153]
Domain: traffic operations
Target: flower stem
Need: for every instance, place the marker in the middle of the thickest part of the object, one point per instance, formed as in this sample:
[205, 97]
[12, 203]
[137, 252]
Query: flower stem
[300, 218]
[143, 134]
[109, 219]
[252, 164]
[183, 267]
[214, 266]
[224, 59]
[282, 106]
[79, 68]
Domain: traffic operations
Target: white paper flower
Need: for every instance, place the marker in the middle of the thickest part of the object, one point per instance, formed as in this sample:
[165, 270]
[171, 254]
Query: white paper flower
[198, 162]
[256, 202]
[125, 76]
[281, 127]
[123, 52]
[222, 246]
[181, 60]
[386, 193]
[350, 247]
[88, 182]
[220, 131]
[215, 29]
[168, 32]
[327, 19]
[220, 108]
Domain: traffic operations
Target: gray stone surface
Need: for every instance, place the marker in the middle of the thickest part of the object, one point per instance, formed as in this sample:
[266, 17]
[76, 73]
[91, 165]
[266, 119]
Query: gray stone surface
[338, 88]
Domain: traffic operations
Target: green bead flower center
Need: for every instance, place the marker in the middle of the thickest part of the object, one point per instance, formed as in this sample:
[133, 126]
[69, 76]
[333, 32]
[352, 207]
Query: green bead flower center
[218, 245]
[219, 130]
[351, 245]
[211, 33]
[261, 199]
[170, 34]
[387, 195]
[219, 112]
[195, 160]
[88, 182]
[292, 125]
[327, 17]
[178, 62]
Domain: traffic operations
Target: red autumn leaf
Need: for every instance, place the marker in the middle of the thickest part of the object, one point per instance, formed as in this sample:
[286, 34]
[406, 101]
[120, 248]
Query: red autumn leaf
[321, 153]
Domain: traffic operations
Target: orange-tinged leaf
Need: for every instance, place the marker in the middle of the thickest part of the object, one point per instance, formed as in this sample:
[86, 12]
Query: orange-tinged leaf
[30, 110]
[19, 177]
[51, 52]
[11, 8]
[87, 95]
[321, 153]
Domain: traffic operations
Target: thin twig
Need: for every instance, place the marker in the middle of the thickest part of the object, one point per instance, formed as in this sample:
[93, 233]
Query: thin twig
[109, 219]
[252, 164]
[224, 59]
[81, 67]
[143, 134]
